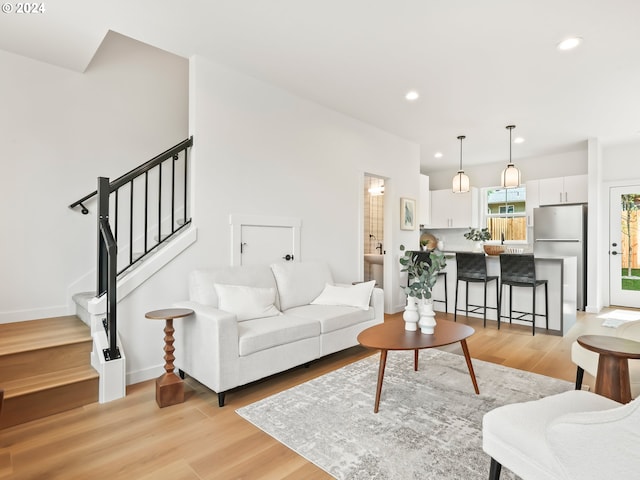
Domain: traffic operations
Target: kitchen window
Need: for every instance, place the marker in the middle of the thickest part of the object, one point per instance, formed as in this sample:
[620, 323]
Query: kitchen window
[505, 213]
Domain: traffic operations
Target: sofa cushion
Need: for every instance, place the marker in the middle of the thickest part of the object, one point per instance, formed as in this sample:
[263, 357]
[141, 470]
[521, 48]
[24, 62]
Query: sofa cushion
[201, 282]
[332, 317]
[358, 295]
[262, 334]
[247, 302]
[299, 283]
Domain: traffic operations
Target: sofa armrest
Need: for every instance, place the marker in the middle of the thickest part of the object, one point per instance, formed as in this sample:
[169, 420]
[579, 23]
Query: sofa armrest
[207, 346]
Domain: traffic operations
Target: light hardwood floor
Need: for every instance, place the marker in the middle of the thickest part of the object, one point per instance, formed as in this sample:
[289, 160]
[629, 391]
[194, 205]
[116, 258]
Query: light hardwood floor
[132, 438]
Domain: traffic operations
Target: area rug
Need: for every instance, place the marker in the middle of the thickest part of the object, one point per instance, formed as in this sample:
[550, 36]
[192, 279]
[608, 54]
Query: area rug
[429, 425]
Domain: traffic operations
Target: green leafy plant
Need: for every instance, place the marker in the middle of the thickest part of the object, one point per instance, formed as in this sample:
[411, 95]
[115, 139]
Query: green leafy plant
[422, 275]
[478, 234]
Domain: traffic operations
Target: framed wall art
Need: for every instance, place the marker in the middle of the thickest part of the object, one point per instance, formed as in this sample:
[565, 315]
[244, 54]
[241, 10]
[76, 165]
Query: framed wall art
[407, 214]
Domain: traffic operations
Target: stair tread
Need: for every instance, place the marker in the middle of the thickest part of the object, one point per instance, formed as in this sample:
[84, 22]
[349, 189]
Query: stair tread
[23, 386]
[36, 334]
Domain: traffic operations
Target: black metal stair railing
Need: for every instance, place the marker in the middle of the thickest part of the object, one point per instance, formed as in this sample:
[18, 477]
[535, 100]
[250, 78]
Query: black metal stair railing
[137, 213]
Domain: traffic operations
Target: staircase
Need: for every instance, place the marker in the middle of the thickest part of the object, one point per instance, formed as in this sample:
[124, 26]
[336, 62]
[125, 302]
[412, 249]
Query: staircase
[45, 368]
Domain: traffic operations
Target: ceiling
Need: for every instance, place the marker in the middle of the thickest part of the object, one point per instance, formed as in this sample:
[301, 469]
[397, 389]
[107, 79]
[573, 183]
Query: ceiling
[478, 65]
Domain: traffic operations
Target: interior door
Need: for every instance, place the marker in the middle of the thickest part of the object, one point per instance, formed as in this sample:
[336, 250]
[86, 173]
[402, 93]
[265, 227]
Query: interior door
[264, 245]
[624, 254]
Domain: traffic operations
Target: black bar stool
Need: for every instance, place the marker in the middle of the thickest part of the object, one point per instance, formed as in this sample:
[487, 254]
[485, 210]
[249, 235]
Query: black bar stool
[472, 268]
[423, 256]
[518, 270]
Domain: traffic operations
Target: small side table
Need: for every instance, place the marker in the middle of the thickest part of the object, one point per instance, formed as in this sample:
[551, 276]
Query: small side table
[169, 386]
[612, 379]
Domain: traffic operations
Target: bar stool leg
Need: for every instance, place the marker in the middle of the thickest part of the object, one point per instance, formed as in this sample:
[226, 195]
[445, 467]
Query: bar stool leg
[510, 302]
[446, 297]
[499, 302]
[484, 310]
[546, 305]
[466, 293]
[533, 320]
[455, 306]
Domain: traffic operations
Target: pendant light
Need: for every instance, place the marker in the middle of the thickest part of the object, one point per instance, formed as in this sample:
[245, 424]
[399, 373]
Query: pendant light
[510, 175]
[460, 181]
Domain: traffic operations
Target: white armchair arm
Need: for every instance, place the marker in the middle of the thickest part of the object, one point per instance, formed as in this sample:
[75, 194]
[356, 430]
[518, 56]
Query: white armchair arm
[598, 444]
[207, 346]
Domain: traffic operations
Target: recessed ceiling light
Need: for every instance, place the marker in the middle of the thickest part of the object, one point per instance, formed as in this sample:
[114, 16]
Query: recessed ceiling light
[518, 140]
[569, 43]
[438, 155]
[412, 95]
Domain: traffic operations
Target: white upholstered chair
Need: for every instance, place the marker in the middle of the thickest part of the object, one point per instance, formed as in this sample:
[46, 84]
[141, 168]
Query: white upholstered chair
[587, 360]
[572, 435]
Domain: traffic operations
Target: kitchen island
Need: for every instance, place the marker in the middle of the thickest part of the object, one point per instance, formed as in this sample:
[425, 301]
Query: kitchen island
[561, 273]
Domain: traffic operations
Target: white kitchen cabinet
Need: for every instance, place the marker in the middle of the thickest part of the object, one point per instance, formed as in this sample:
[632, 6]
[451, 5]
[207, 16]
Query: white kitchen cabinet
[561, 190]
[454, 210]
[532, 199]
[424, 203]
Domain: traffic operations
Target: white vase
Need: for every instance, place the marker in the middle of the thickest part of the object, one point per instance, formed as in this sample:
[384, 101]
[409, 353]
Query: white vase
[477, 247]
[411, 315]
[427, 321]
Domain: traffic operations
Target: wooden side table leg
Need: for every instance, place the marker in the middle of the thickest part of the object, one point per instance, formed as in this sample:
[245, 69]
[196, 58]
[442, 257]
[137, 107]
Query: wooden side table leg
[169, 386]
[612, 379]
[467, 357]
[383, 364]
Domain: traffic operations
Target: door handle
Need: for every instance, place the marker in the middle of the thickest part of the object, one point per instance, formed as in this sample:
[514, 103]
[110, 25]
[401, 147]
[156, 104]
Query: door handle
[614, 253]
[288, 257]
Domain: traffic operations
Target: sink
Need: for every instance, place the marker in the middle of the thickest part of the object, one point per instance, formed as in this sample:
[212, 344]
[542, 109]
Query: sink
[375, 258]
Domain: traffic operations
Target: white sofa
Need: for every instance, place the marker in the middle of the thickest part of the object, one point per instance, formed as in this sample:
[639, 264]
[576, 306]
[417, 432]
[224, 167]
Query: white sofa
[224, 349]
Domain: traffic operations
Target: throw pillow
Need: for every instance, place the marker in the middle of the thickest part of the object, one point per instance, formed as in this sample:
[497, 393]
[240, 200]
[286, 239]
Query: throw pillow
[247, 302]
[358, 295]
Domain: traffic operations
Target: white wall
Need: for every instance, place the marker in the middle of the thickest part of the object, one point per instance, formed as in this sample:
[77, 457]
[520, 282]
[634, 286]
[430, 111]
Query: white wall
[260, 150]
[60, 130]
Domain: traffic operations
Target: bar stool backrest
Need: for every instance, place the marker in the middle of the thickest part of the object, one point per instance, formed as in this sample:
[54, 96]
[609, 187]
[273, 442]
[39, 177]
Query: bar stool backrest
[517, 268]
[471, 265]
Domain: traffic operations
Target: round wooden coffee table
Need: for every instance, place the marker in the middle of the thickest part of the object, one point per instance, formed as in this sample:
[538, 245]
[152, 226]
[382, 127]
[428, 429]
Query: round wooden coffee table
[612, 379]
[391, 335]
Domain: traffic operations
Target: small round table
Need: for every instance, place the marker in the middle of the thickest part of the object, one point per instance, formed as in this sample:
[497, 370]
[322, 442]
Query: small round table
[612, 379]
[169, 386]
[391, 335]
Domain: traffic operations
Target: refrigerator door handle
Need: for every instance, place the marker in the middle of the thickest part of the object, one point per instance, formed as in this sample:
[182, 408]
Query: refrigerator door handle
[565, 240]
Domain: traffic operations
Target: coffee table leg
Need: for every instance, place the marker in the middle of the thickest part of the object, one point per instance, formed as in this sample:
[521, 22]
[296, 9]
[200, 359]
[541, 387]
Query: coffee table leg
[415, 361]
[465, 349]
[383, 364]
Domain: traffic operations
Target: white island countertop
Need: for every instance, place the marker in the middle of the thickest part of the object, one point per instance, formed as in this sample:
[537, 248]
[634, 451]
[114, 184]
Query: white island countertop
[561, 273]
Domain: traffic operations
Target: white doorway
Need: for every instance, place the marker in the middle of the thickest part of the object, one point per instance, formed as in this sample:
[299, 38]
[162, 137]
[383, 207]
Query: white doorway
[373, 229]
[624, 251]
[257, 240]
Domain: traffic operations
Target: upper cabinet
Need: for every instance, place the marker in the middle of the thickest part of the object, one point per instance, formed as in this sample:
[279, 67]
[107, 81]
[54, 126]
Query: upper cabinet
[424, 203]
[533, 199]
[556, 191]
[454, 210]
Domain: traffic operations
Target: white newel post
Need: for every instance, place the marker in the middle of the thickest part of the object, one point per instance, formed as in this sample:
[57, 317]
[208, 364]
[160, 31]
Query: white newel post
[112, 383]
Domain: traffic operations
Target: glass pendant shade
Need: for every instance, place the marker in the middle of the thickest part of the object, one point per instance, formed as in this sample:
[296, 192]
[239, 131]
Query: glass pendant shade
[510, 175]
[460, 182]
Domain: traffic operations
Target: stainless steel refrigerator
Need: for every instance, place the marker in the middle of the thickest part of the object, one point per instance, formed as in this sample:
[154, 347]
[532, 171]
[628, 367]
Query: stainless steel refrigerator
[562, 231]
